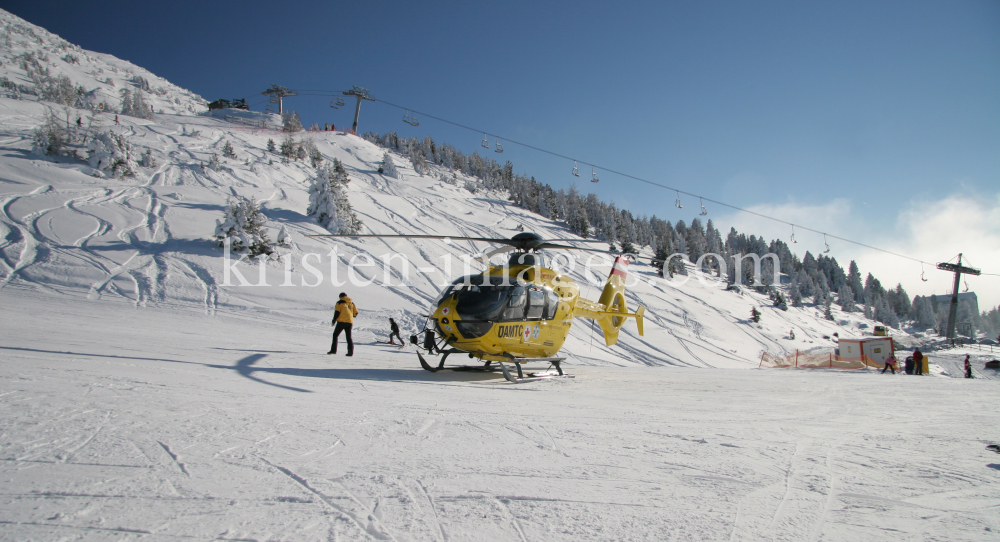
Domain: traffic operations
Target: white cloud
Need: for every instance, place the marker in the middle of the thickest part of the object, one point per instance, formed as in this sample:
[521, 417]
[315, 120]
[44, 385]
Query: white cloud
[933, 231]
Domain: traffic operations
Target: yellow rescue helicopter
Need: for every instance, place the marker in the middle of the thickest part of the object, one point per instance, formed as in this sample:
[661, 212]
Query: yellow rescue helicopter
[520, 312]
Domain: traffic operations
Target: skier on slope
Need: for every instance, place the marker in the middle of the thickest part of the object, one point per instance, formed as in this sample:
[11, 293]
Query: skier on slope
[918, 361]
[968, 367]
[890, 364]
[343, 321]
[394, 332]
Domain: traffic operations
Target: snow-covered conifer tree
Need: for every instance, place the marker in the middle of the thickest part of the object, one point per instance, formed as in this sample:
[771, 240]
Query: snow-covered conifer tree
[290, 122]
[243, 224]
[284, 238]
[111, 153]
[845, 298]
[419, 162]
[308, 147]
[328, 201]
[794, 293]
[288, 148]
[147, 159]
[388, 167]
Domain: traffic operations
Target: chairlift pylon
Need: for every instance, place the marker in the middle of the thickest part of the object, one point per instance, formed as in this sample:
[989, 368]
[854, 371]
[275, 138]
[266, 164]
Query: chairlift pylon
[576, 170]
[499, 146]
[677, 202]
[704, 211]
[486, 142]
[594, 173]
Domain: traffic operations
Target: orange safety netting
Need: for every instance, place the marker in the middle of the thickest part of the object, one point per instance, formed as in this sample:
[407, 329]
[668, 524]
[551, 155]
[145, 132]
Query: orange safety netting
[802, 360]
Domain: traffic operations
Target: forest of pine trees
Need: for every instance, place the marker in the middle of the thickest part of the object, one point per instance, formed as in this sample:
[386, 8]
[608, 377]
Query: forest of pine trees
[818, 278]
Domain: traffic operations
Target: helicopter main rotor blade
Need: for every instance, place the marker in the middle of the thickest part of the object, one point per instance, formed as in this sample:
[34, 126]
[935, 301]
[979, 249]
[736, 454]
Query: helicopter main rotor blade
[567, 247]
[575, 241]
[442, 237]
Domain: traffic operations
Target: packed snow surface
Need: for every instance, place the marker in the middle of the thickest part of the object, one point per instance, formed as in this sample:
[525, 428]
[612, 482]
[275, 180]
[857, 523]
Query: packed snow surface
[143, 398]
[133, 424]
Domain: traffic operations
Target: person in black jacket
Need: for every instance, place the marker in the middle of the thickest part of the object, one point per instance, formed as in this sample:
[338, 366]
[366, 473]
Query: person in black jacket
[394, 332]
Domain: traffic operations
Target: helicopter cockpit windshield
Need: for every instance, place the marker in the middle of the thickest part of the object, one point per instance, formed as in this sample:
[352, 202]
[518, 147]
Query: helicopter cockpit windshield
[485, 303]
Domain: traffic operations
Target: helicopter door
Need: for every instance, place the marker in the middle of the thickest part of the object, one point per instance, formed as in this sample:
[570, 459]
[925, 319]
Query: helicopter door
[537, 313]
[536, 304]
[515, 306]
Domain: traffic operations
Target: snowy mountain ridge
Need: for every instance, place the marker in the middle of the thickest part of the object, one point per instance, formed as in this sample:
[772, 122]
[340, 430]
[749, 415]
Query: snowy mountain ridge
[39, 65]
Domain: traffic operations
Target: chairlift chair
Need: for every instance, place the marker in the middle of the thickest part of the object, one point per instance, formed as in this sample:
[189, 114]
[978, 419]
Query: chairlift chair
[793, 234]
[677, 202]
[413, 120]
[922, 272]
[486, 142]
[499, 146]
[340, 101]
[825, 243]
[576, 170]
[704, 211]
[594, 173]
[333, 105]
[406, 117]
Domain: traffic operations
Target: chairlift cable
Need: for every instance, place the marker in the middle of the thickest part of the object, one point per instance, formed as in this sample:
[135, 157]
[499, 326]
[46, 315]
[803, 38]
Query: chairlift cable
[660, 185]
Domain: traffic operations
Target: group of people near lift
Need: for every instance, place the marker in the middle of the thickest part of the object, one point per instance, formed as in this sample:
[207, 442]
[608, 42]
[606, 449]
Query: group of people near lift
[914, 364]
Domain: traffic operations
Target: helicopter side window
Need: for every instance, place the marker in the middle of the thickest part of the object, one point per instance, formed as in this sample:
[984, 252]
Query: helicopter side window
[551, 304]
[516, 305]
[536, 304]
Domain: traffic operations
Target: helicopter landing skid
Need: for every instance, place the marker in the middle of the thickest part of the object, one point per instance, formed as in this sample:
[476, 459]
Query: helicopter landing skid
[553, 362]
[444, 356]
[489, 367]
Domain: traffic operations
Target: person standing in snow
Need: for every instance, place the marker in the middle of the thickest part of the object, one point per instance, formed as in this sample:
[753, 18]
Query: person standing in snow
[890, 364]
[116, 119]
[918, 361]
[394, 332]
[968, 367]
[343, 321]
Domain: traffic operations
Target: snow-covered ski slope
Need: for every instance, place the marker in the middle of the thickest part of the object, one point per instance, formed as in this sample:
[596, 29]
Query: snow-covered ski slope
[143, 399]
[147, 239]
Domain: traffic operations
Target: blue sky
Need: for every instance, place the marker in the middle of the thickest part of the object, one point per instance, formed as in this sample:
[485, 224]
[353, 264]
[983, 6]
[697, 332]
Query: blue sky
[785, 106]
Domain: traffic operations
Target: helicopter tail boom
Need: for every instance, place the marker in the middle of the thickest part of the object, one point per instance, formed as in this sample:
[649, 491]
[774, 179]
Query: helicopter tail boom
[610, 311]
